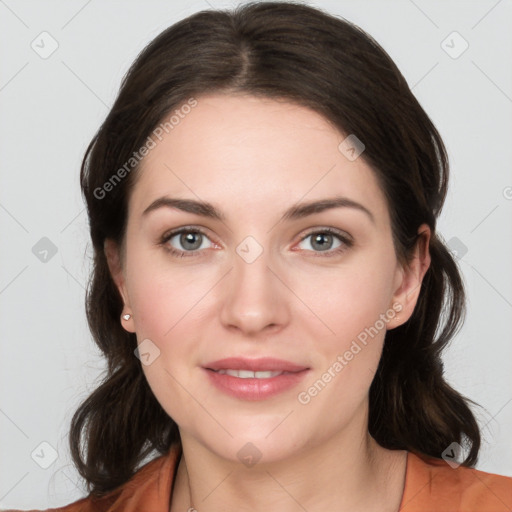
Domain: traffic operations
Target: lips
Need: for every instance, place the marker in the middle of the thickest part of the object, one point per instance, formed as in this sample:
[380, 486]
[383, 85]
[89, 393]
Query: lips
[263, 364]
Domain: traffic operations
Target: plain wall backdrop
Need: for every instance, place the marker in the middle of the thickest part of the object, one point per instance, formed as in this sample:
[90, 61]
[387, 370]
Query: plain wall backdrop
[61, 63]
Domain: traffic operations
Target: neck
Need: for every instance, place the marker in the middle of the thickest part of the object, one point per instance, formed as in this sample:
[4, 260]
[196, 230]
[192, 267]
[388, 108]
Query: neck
[342, 473]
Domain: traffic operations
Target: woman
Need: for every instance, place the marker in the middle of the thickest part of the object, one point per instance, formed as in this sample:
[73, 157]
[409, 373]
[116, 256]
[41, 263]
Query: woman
[290, 357]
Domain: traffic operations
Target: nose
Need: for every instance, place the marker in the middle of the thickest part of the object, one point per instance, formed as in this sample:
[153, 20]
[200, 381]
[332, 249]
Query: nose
[255, 299]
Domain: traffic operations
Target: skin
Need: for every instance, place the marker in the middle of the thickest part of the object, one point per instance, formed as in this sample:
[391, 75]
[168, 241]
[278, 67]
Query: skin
[253, 158]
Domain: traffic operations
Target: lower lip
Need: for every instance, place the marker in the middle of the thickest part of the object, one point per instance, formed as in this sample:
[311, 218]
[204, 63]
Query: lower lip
[255, 389]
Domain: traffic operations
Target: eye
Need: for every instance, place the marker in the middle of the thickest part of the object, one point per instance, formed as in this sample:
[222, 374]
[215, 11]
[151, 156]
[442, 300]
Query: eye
[323, 241]
[191, 239]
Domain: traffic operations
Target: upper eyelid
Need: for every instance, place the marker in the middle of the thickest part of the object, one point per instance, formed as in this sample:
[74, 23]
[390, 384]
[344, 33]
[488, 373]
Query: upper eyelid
[185, 229]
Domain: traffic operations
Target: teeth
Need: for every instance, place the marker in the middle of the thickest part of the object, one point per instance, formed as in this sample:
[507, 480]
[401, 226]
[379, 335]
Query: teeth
[247, 374]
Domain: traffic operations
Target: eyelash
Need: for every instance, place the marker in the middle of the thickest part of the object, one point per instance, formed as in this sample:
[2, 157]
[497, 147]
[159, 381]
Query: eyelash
[347, 243]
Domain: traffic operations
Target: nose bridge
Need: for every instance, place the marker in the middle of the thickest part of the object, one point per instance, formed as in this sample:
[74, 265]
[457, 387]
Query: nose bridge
[254, 299]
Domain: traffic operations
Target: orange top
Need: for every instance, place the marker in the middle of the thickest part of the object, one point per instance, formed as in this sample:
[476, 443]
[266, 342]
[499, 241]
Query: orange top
[431, 485]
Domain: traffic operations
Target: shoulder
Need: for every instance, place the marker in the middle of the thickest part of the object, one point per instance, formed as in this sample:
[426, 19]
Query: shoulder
[148, 489]
[432, 482]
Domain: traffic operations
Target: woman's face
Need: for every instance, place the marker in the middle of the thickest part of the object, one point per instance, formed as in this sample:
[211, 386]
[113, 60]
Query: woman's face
[258, 283]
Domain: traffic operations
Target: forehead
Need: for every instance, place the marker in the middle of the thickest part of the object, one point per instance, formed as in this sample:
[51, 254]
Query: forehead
[239, 151]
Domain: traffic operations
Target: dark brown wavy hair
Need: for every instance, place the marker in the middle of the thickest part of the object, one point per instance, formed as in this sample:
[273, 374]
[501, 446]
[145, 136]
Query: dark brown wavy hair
[300, 54]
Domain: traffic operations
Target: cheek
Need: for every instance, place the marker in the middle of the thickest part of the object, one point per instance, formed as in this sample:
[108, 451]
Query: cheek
[348, 357]
[163, 296]
[169, 310]
[342, 301]
[353, 303]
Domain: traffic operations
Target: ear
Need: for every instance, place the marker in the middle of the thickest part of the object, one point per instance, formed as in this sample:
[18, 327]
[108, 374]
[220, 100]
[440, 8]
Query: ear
[409, 278]
[114, 261]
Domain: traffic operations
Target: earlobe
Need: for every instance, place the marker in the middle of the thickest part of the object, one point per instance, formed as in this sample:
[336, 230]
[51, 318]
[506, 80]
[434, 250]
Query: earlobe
[408, 290]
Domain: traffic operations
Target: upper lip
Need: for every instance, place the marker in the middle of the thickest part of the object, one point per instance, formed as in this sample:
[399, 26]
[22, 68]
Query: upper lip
[255, 365]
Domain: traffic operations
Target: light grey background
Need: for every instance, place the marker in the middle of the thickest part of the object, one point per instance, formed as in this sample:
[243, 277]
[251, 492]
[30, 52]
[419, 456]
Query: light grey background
[51, 108]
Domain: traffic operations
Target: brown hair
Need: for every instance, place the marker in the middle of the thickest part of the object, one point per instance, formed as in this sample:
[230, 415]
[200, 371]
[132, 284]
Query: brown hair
[297, 53]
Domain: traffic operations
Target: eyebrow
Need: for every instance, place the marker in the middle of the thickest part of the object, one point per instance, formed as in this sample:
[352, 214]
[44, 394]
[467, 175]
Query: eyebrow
[298, 211]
